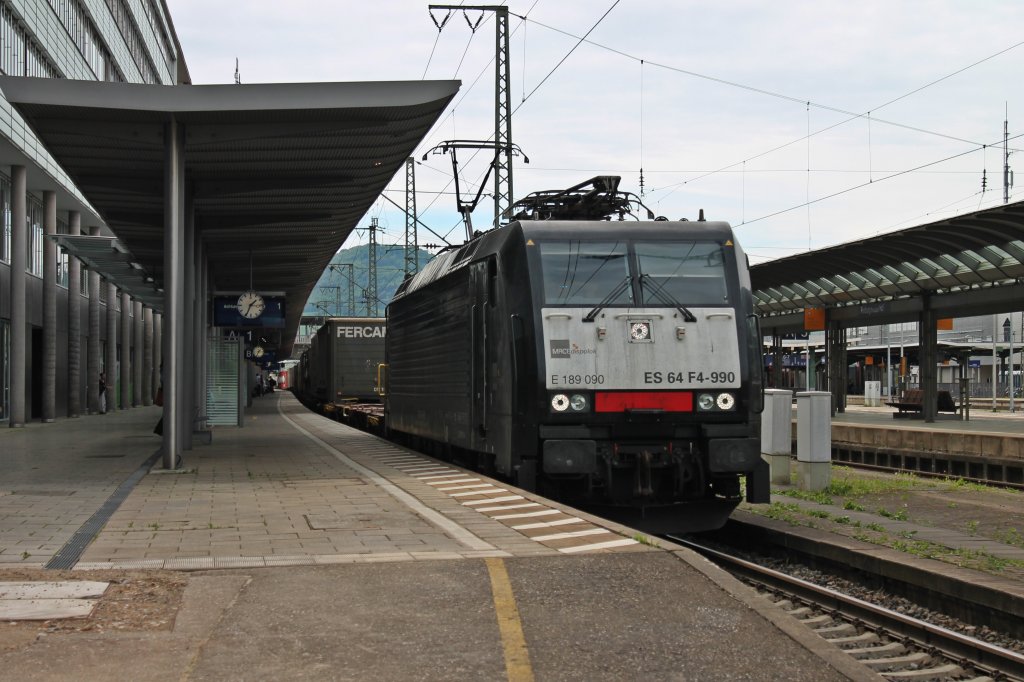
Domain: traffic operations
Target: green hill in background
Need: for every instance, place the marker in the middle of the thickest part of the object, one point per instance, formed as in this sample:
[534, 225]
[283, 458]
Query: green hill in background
[330, 296]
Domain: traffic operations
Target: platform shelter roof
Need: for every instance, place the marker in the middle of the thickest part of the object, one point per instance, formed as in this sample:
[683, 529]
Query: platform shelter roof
[969, 264]
[278, 175]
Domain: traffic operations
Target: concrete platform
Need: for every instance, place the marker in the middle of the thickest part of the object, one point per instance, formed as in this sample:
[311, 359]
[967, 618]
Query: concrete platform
[316, 551]
[986, 434]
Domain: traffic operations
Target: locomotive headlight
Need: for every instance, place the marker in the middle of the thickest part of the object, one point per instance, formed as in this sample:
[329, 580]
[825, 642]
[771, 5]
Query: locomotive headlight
[725, 401]
[560, 402]
[578, 402]
[706, 401]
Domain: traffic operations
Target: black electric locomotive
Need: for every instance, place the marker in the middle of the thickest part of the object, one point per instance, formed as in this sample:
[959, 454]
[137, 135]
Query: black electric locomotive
[597, 361]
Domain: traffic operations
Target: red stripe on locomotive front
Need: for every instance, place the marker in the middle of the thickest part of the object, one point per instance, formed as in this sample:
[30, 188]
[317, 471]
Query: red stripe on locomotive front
[669, 401]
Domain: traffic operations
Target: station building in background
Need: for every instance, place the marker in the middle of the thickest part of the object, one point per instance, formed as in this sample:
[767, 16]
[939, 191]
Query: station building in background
[73, 324]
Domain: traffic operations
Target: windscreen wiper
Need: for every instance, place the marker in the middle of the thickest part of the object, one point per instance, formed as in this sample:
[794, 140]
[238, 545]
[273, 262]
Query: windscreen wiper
[592, 315]
[659, 293]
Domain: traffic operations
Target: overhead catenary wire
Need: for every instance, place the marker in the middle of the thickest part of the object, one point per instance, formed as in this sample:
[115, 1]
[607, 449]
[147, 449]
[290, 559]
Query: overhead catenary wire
[865, 184]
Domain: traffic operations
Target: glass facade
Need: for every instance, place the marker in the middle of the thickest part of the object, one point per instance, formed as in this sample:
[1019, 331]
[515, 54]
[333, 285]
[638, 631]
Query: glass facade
[86, 38]
[133, 38]
[20, 55]
[34, 217]
[5, 370]
[62, 255]
[5, 219]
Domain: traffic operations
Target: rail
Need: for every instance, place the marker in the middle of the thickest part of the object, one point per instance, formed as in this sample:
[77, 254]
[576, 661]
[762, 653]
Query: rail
[958, 650]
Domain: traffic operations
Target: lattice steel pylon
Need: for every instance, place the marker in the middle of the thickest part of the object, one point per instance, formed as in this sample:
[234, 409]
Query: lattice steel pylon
[350, 276]
[412, 248]
[502, 117]
[502, 102]
[371, 272]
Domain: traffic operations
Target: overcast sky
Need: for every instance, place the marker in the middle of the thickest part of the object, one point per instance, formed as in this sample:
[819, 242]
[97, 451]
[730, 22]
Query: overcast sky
[721, 86]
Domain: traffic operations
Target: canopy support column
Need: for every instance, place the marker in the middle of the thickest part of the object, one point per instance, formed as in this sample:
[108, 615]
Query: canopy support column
[928, 338]
[74, 322]
[174, 291]
[94, 360]
[19, 316]
[49, 360]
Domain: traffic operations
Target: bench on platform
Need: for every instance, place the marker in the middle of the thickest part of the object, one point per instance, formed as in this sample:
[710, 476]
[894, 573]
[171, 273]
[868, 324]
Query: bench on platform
[912, 399]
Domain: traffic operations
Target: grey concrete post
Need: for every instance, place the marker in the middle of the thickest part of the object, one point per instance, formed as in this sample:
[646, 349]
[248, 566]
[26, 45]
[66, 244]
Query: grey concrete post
[125, 393]
[94, 360]
[19, 317]
[777, 433]
[138, 350]
[158, 358]
[174, 290]
[110, 363]
[49, 358]
[199, 337]
[814, 439]
[74, 323]
[147, 356]
[188, 395]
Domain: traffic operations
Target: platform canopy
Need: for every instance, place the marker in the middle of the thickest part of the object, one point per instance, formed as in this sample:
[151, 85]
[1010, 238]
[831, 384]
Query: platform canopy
[969, 264]
[277, 175]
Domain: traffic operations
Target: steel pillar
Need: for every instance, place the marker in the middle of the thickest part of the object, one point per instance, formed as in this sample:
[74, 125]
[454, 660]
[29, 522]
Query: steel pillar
[94, 360]
[188, 359]
[835, 354]
[503, 196]
[147, 356]
[110, 364]
[19, 316]
[74, 323]
[137, 347]
[157, 380]
[125, 393]
[928, 339]
[412, 249]
[174, 291]
[49, 358]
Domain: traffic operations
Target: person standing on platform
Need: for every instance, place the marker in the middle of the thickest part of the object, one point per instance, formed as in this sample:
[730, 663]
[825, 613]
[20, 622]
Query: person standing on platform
[103, 393]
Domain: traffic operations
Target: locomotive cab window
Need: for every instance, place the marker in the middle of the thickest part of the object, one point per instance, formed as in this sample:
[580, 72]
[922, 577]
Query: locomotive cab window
[585, 273]
[692, 273]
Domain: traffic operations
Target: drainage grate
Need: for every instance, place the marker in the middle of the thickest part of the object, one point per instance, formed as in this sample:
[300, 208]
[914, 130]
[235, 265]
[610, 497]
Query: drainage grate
[73, 549]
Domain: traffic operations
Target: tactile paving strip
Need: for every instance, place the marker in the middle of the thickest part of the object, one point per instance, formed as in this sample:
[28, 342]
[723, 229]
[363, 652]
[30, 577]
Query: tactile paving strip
[72, 551]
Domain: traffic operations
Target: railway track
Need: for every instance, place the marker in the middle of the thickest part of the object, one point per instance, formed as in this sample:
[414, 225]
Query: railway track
[894, 645]
[994, 482]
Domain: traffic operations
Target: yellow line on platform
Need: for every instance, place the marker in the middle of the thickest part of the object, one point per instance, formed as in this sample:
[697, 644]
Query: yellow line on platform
[517, 657]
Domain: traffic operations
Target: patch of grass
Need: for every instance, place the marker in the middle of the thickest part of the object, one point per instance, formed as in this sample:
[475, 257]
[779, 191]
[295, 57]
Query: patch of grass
[900, 515]
[154, 526]
[845, 484]
[972, 527]
[780, 511]
[953, 505]
[820, 497]
[878, 528]
[842, 520]
[961, 484]
[644, 540]
[25, 555]
[850, 505]
[1011, 537]
[818, 514]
